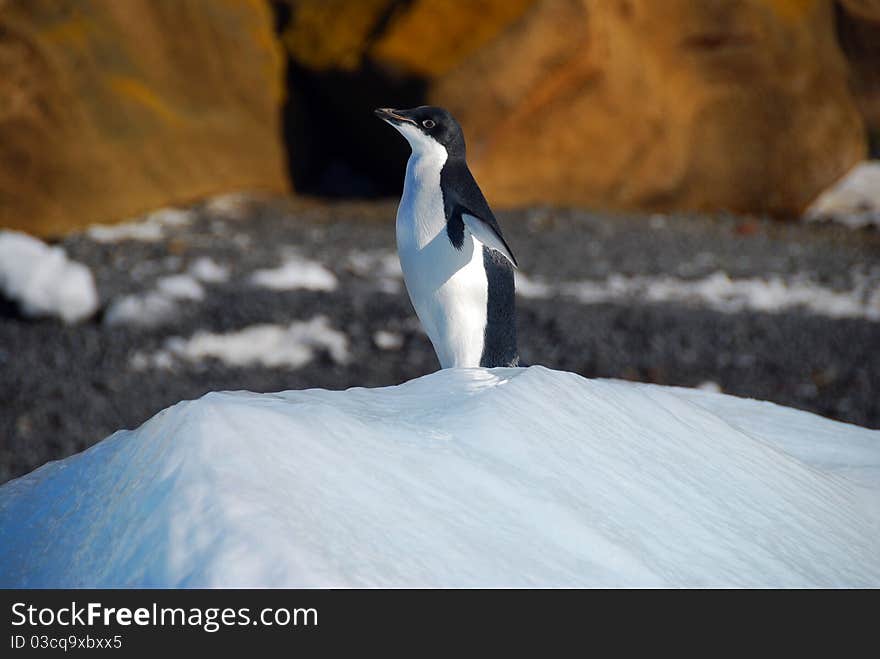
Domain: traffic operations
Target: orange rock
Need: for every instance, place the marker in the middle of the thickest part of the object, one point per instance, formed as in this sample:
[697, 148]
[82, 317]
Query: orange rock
[421, 37]
[430, 37]
[109, 109]
[332, 34]
[734, 104]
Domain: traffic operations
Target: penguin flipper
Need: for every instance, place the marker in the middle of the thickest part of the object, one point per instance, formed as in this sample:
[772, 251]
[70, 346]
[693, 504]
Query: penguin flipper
[488, 235]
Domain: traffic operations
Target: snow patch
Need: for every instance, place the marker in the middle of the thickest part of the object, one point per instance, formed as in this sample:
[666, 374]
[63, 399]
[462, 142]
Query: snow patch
[382, 266]
[386, 340]
[232, 206]
[532, 288]
[463, 478]
[180, 287]
[154, 307]
[149, 228]
[853, 201]
[722, 293]
[206, 270]
[296, 273]
[43, 280]
[273, 346]
[144, 310]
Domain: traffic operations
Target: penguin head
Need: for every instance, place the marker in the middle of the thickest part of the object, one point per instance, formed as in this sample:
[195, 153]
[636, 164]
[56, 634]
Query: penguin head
[426, 128]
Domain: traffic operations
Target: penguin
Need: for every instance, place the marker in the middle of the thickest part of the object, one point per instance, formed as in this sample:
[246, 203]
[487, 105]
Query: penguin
[457, 266]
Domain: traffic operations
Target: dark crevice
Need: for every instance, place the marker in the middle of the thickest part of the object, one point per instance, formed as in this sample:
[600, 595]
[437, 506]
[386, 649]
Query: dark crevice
[282, 13]
[859, 40]
[335, 145]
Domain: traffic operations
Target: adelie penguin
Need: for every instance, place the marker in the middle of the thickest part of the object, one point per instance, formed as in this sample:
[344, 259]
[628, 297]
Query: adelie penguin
[456, 264]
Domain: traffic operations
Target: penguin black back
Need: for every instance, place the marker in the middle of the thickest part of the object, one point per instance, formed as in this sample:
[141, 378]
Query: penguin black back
[499, 345]
[460, 195]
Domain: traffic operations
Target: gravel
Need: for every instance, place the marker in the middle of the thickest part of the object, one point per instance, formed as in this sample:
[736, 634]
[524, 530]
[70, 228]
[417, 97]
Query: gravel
[64, 387]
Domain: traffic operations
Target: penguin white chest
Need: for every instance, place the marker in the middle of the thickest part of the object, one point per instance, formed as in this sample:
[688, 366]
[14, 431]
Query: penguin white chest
[448, 287]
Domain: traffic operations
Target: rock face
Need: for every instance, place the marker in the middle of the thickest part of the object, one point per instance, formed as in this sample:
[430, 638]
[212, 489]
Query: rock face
[639, 104]
[109, 109]
[635, 104]
[422, 37]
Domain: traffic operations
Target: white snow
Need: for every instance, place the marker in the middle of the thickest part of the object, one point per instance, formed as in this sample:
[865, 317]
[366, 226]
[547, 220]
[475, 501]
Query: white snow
[149, 228]
[826, 445]
[43, 280]
[853, 201]
[232, 206]
[154, 307]
[381, 265]
[386, 340]
[145, 309]
[290, 346]
[528, 287]
[509, 477]
[181, 287]
[296, 273]
[720, 292]
[207, 270]
[157, 306]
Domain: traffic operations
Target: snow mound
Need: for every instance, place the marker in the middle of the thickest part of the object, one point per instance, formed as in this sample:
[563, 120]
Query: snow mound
[471, 477]
[43, 280]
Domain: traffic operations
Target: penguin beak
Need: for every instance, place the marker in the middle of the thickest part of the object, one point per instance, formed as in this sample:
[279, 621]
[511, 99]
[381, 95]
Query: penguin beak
[393, 116]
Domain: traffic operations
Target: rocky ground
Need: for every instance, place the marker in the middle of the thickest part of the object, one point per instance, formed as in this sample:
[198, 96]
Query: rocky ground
[681, 300]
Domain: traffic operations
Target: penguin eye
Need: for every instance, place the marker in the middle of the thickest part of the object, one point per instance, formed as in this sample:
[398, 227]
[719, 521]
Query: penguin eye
[427, 123]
